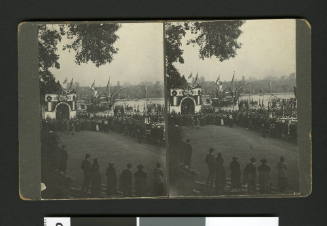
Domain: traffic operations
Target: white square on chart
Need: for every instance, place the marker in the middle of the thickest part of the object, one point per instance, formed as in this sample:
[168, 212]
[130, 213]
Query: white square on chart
[57, 221]
[241, 221]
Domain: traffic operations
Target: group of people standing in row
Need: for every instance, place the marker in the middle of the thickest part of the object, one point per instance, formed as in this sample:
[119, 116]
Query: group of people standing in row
[252, 174]
[127, 184]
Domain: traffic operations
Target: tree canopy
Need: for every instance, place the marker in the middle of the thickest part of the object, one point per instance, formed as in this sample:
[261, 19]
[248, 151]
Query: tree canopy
[215, 39]
[90, 42]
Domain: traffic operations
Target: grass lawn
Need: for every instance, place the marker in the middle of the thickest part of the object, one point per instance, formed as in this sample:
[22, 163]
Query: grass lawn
[109, 147]
[243, 144]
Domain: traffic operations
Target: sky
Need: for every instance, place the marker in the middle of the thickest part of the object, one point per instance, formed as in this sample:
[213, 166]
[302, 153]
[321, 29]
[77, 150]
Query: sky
[268, 49]
[139, 59]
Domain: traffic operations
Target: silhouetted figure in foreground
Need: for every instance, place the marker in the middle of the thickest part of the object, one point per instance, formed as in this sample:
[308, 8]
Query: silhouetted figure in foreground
[264, 176]
[96, 178]
[111, 179]
[86, 167]
[235, 169]
[250, 176]
[126, 181]
[220, 180]
[140, 181]
[159, 181]
[282, 175]
[211, 163]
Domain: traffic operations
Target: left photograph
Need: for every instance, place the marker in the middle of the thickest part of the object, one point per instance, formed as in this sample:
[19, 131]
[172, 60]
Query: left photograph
[102, 110]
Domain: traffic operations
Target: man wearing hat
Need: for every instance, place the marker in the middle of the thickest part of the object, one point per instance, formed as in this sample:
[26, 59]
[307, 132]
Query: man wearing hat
[210, 161]
[282, 174]
[140, 181]
[126, 181]
[250, 175]
[111, 179]
[86, 167]
[235, 169]
[264, 176]
[159, 181]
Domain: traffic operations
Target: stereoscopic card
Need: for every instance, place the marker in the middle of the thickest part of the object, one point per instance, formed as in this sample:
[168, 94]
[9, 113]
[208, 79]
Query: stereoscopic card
[164, 109]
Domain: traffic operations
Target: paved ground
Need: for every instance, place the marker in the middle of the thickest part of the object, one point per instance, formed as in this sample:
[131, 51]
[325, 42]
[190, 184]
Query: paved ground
[243, 144]
[108, 147]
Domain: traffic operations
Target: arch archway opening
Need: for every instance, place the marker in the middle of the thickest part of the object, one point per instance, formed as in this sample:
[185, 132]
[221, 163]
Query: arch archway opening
[62, 112]
[187, 106]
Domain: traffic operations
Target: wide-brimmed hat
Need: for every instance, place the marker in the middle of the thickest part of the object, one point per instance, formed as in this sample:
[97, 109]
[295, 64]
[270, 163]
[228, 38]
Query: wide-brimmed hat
[253, 159]
[140, 166]
[263, 160]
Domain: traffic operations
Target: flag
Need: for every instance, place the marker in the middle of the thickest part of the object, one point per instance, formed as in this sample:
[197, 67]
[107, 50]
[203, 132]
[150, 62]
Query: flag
[196, 77]
[195, 80]
[269, 86]
[146, 91]
[108, 83]
[232, 82]
[71, 83]
[190, 76]
[218, 80]
[108, 86]
[92, 86]
[65, 81]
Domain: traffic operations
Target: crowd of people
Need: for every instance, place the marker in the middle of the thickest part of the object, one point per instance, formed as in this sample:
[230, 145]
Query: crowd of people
[223, 179]
[254, 178]
[59, 184]
[54, 157]
[125, 184]
[260, 120]
[149, 129]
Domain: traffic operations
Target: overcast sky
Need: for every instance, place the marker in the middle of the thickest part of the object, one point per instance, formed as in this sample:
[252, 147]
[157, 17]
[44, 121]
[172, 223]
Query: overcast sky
[140, 58]
[268, 49]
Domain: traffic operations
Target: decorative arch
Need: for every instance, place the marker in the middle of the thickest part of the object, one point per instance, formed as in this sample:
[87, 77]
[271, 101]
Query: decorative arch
[187, 105]
[188, 97]
[60, 103]
[62, 111]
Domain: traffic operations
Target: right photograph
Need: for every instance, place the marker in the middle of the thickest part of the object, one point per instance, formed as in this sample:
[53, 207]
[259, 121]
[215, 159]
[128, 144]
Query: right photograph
[232, 107]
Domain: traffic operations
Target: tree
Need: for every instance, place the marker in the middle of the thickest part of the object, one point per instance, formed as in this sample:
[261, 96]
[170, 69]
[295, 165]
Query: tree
[173, 53]
[47, 45]
[214, 39]
[93, 42]
[90, 42]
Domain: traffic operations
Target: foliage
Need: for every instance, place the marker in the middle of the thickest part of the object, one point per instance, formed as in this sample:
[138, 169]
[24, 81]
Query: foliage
[214, 39]
[90, 42]
[48, 40]
[93, 42]
[217, 39]
[173, 53]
